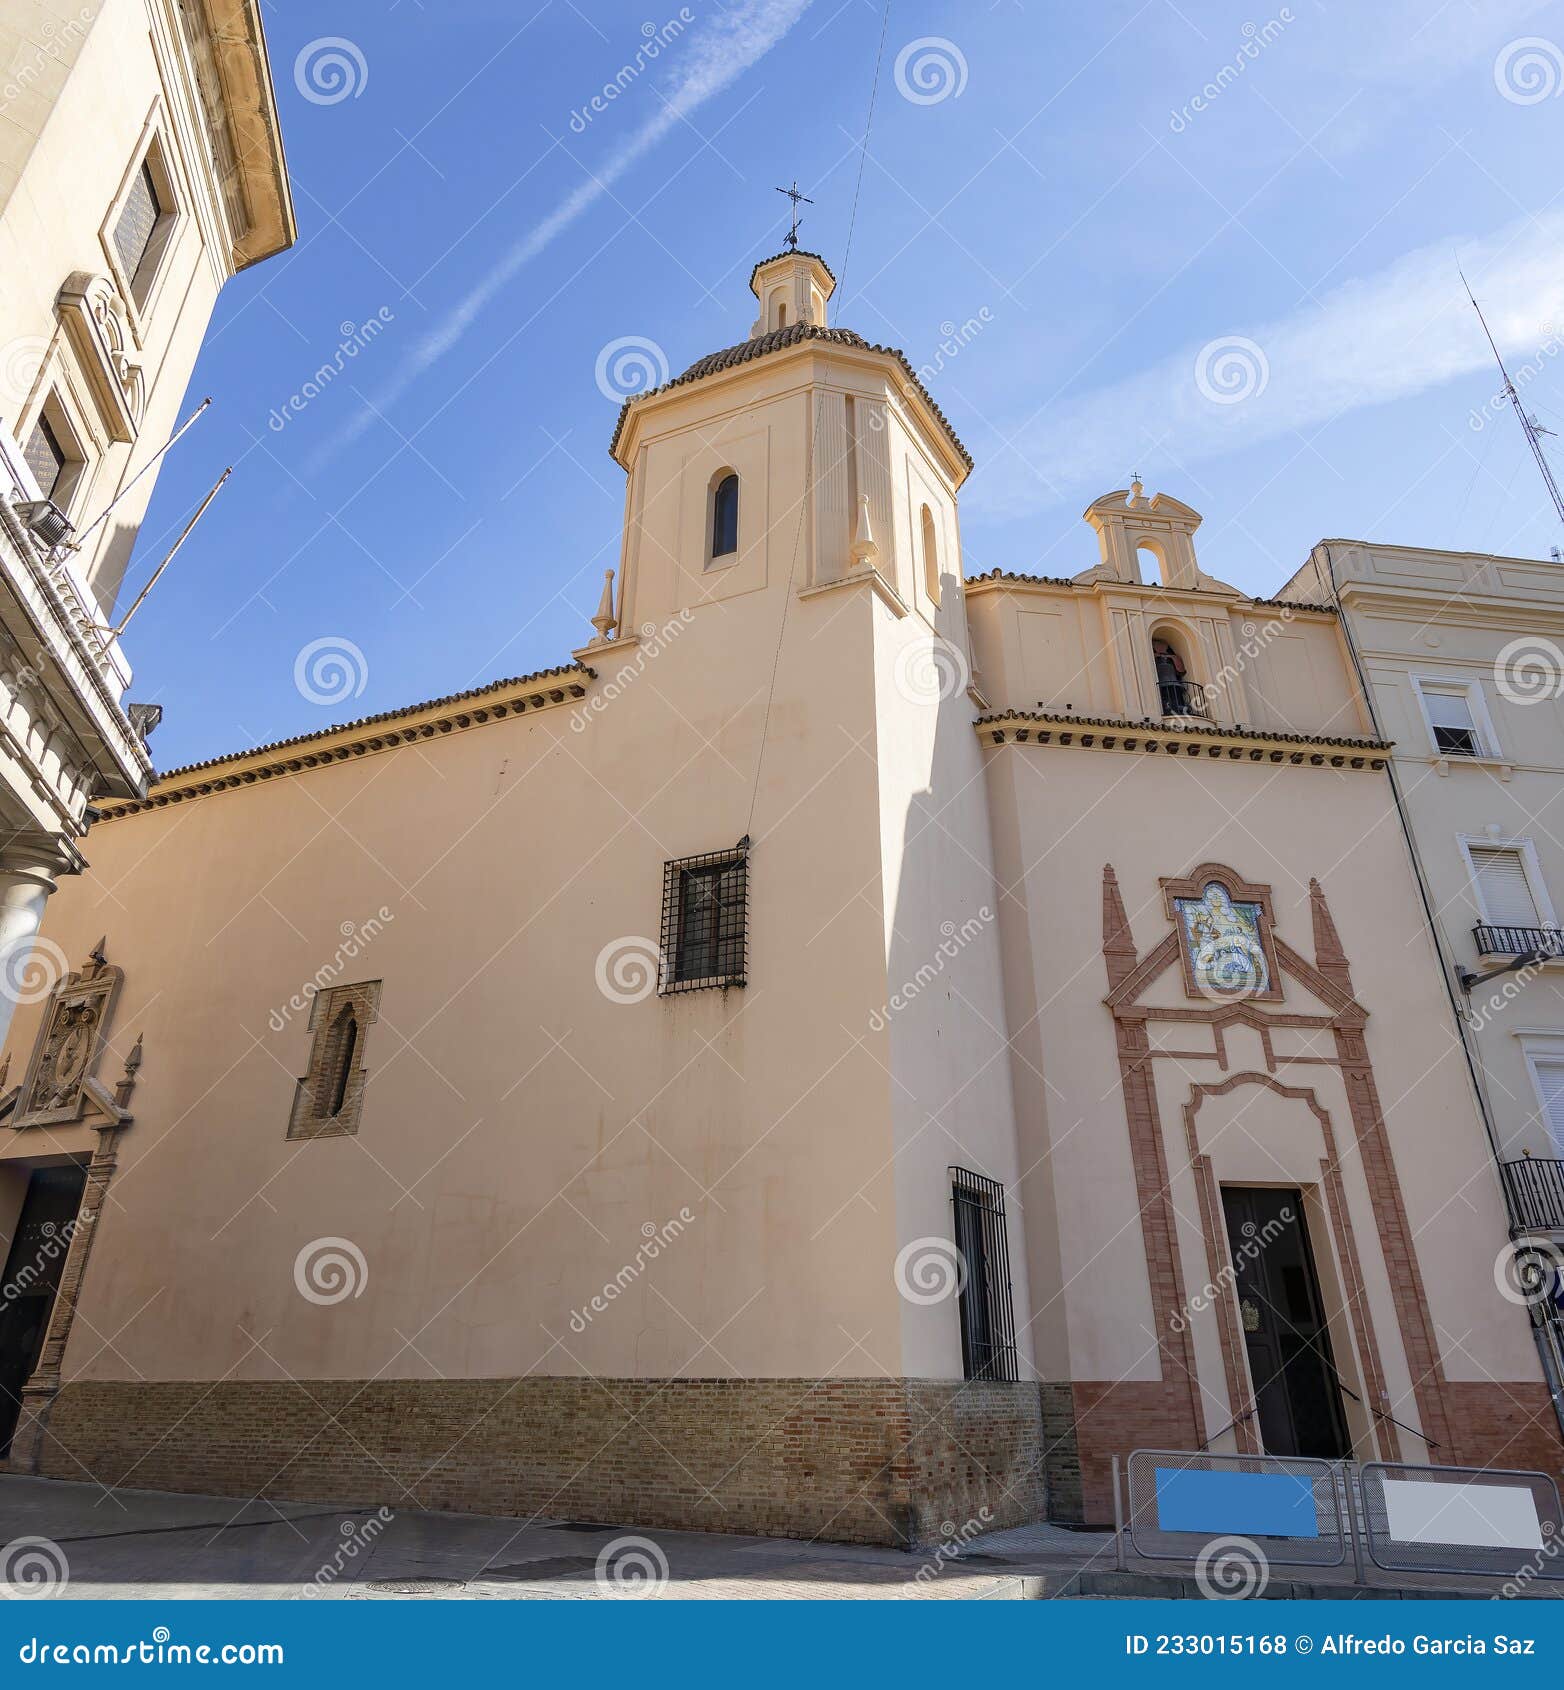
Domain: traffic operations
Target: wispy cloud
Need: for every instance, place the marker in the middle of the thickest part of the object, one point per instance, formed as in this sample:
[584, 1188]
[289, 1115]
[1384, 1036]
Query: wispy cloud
[710, 58]
[1402, 331]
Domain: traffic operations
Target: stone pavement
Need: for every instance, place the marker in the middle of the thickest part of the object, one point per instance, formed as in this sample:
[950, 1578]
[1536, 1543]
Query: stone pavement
[83, 1541]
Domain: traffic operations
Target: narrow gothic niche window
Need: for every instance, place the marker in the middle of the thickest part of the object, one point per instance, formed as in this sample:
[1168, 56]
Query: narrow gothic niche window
[329, 1100]
[725, 515]
[341, 1048]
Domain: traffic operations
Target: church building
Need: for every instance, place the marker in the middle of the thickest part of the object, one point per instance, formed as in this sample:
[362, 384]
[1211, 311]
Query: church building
[849, 1049]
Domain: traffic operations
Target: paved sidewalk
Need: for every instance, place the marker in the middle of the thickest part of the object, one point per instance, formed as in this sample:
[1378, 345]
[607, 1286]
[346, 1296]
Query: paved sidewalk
[150, 1544]
[83, 1541]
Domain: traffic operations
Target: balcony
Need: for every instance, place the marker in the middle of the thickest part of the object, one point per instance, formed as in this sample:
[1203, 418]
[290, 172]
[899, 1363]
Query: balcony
[1183, 698]
[1531, 942]
[1534, 1186]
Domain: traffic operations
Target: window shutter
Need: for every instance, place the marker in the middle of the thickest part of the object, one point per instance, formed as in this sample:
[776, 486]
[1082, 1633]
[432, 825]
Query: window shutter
[1550, 1088]
[1502, 887]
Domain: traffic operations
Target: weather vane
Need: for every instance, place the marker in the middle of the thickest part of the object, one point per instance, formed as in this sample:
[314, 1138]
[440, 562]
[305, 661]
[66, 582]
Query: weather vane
[797, 199]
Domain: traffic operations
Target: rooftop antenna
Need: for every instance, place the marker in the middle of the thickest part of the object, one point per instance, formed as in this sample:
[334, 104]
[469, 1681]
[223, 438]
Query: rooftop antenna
[797, 199]
[1528, 424]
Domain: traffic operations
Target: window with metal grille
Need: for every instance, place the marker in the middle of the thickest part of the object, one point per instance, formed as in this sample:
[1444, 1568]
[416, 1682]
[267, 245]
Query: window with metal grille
[137, 221]
[46, 457]
[704, 920]
[988, 1330]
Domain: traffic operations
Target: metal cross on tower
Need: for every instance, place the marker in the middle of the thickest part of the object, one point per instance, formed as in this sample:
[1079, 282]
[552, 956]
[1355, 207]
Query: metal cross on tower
[797, 199]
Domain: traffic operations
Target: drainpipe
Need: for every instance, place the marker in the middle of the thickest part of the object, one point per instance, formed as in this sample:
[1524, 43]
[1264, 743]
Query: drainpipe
[1540, 1335]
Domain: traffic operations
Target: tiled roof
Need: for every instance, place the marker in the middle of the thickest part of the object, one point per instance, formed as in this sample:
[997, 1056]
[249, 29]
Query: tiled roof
[1066, 581]
[1120, 723]
[540, 680]
[801, 253]
[794, 334]
[1029, 580]
[1293, 604]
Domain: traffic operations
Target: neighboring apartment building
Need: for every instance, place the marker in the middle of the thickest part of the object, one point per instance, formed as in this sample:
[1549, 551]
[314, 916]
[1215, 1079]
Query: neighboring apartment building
[140, 166]
[1462, 655]
[852, 1050]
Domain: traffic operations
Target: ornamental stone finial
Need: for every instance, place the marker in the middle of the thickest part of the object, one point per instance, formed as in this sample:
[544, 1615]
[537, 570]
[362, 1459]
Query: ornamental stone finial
[866, 549]
[605, 620]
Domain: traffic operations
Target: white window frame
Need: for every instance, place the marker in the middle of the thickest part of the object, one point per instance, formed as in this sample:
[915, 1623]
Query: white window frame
[1471, 689]
[1530, 862]
[1549, 1046]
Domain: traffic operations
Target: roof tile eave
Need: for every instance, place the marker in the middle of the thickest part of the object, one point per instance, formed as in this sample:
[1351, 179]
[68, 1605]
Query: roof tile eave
[759, 346]
[1215, 731]
[403, 710]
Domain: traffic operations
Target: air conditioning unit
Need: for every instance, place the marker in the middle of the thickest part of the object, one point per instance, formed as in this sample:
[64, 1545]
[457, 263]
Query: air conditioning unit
[46, 522]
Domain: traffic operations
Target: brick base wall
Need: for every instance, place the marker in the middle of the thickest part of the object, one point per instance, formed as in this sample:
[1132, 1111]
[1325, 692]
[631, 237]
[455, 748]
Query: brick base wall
[1061, 1454]
[1490, 1425]
[1509, 1425]
[884, 1461]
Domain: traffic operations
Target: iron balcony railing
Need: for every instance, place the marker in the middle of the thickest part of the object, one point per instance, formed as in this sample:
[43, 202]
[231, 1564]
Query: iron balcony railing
[1535, 1185]
[1183, 698]
[1518, 941]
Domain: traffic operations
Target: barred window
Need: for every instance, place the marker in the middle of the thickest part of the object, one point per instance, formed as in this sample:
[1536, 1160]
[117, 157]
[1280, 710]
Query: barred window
[988, 1333]
[704, 918]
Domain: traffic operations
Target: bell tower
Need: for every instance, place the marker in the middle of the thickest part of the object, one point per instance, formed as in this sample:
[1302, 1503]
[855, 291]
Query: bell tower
[792, 288]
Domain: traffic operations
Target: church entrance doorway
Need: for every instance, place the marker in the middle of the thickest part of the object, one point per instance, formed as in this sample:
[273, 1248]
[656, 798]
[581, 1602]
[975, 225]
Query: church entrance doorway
[33, 1268]
[1297, 1397]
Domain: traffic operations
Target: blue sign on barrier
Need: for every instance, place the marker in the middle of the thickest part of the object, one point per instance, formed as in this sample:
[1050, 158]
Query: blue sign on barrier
[1190, 1499]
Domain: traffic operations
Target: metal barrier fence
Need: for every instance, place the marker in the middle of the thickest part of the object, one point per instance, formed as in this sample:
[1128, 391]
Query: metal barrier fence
[1290, 1512]
[1462, 1520]
[1181, 1503]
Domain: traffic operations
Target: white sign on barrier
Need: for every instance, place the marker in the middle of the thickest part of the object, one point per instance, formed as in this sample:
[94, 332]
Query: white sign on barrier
[1483, 1516]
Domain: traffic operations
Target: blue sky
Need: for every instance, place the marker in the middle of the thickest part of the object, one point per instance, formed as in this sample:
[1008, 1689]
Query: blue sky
[1216, 243]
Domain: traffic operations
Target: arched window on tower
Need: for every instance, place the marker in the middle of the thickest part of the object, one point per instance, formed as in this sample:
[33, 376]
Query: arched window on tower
[930, 556]
[782, 316]
[337, 1069]
[1181, 694]
[725, 515]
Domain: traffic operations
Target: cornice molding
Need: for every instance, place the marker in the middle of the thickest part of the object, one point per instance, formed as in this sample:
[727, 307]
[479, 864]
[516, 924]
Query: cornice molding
[1236, 744]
